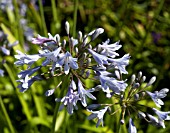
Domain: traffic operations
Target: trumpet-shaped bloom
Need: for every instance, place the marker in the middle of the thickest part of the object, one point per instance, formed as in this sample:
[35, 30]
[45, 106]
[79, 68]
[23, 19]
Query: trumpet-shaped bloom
[155, 121]
[100, 59]
[109, 49]
[157, 95]
[162, 115]
[68, 61]
[26, 59]
[98, 114]
[120, 63]
[27, 82]
[115, 85]
[28, 72]
[83, 93]
[70, 100]
[40, 40]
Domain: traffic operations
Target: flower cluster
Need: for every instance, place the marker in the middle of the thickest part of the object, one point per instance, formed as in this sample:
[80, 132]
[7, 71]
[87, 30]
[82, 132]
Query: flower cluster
[78, 60]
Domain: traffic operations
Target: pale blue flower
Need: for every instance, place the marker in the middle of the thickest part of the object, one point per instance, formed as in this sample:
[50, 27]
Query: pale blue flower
[95, 33]
[68, 61]
[5, 51]
[84, 93]
[109, 49]
[98, 114]
[51, 57]
[132, 128]
[40, 40]
[70, 100]
[26, 59]
[28, 72]
[100, 59]
[162, 115]
[157, 95]
[120, 63]
[155, 121]
[27, 82]
[113, 84]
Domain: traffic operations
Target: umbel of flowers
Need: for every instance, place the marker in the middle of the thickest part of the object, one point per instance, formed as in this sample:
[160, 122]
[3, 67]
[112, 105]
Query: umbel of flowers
[78, 60]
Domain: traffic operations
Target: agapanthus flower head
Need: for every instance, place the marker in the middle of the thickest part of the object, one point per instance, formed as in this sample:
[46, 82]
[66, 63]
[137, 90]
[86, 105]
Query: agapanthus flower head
[75, 60]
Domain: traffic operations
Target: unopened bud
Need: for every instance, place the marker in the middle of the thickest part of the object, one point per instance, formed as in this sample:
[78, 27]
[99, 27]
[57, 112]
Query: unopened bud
[90, 47]
[141, 115]
[80, 36]
[93, 106]
[98, 48]
[136, 97]
[97, 33]
[143, 79]
[88, 62]
[57, 37]
[85, 40]
[67, 27]
[64, 43]
[84, 56]
[151, 81]
[139, 75]
[136, 85]
[122, 121]
[143, 94]
[133, 78]
[76, 51]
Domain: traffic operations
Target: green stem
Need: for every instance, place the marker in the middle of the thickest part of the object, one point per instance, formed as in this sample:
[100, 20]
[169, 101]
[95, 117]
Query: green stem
[6, 116]
[75, 17]
[44, 28]
[20, 97]
[63, 88]
[19, 30]
[54, 10]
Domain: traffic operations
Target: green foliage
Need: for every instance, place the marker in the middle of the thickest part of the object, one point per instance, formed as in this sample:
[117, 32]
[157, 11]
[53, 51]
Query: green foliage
[141, 26]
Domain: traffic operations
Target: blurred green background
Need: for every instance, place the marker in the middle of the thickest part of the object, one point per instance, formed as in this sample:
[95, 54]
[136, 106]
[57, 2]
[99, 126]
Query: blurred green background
[143, 28]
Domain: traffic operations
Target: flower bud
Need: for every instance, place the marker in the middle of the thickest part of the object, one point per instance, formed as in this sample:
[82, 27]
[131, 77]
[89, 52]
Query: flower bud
[141, 115]
[133, 78]
[84, 56]
[76, 50]
[136, 85]
[90, 47]
[122, 121]
[139, 75]
[80, 36]
[67, 27]
[151, 81]
[136, 97]
[57, 36]
[93, 106]
[88, 62]
[143, 79]
[64, 43]
[97, 33]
